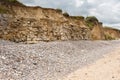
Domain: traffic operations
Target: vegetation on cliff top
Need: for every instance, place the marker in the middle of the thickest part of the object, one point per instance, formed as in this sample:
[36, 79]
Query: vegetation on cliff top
[10, 2]
[91, 21]
[66, 14]
[77, 17]
[59, 10]
[5, 5]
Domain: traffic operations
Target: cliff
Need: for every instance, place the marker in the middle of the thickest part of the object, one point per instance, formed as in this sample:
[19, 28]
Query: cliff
[111, 33]
[20, 23]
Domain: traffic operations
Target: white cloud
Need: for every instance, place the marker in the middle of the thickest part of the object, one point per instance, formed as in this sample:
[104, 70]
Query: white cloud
[79, 3]
[107, 11]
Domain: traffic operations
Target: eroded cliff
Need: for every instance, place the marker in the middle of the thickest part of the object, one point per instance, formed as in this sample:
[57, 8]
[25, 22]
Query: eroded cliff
[21, 23]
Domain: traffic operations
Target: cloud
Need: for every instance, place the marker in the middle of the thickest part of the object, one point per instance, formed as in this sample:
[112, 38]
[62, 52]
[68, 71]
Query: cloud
[78, 3]
[106, 11]
[28, 2]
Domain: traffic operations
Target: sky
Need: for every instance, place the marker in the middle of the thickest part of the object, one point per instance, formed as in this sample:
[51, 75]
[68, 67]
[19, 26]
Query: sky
[107, 11]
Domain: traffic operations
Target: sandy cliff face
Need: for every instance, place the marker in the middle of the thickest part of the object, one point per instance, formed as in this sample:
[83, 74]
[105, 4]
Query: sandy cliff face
[33, 24]
[37, 13]
[111, 33]
[97, 33]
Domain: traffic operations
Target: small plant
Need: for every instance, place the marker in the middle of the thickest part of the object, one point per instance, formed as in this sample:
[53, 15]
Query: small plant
[66, 14]
[90, 25]
[3, 10]
[109, 37]
[59, 10]
[12, 0]
[77, 17]
[91, 19]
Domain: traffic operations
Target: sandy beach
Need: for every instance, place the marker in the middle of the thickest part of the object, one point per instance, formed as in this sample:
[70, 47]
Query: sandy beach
[107, 68]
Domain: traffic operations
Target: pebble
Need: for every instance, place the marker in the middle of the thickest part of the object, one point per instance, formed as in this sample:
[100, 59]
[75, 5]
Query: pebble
[49, 60]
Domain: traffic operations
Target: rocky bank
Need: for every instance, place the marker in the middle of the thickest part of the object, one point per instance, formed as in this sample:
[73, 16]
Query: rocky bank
[20, 23]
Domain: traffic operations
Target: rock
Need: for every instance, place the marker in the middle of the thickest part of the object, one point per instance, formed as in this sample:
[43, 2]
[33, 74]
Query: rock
[1, 75]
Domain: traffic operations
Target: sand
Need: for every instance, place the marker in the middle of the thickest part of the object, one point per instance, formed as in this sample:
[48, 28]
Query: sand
[107, 68]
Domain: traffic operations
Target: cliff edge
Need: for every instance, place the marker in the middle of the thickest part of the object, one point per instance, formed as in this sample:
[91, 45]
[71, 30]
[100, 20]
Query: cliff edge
[20, 23]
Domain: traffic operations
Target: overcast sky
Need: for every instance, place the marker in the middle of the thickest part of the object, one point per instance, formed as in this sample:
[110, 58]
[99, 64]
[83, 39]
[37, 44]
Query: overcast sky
[107, 11]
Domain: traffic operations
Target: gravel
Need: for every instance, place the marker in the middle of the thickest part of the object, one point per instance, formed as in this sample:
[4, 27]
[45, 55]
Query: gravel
[49, 60]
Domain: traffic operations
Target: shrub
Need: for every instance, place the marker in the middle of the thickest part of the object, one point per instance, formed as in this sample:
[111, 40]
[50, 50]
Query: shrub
[12, 0]
[109, 37]
[90, 25]
[66, 14]
[91, 19]
[77, 17]
[59, 10]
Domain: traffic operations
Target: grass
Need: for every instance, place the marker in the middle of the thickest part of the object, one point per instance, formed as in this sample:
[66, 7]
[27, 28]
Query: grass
[90, 25]
[3, 10]
[77, 17]
[91, 21]
[109, 37]
[11, 0]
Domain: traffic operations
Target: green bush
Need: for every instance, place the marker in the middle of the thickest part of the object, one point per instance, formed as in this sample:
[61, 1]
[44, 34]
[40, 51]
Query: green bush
[66, 14]
[59, 10]
[12, 0]
[77, 17]
[91, 19]
[90, 25]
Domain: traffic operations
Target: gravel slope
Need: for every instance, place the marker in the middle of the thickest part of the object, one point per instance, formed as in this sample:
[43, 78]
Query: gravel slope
[107, 68]
[49, 61]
